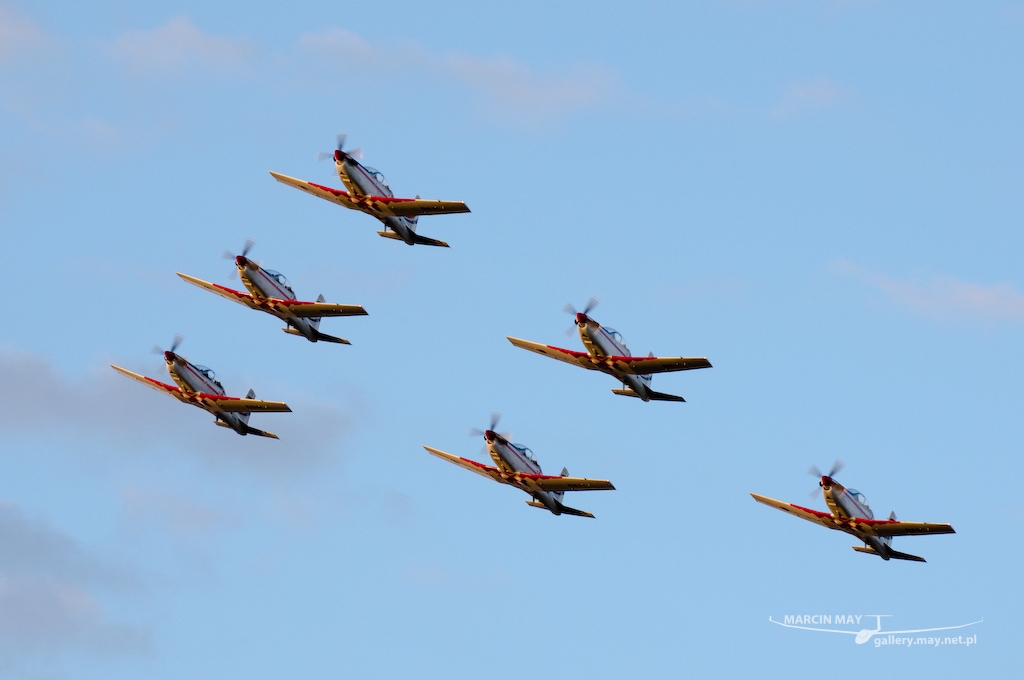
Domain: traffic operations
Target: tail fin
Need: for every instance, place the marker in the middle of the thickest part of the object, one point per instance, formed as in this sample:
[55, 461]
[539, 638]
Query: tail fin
[315, 322]
[558, 494]
[244, 417]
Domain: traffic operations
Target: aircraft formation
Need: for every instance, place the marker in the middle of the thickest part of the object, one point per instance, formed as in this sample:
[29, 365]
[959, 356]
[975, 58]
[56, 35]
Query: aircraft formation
[366, 190]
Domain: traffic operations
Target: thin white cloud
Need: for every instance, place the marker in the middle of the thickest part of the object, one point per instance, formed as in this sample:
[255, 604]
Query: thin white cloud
[21, 39]
[47, 594]
[944, 297]
[179, 46]
[39, 402]
[809, 97]
[508, 88]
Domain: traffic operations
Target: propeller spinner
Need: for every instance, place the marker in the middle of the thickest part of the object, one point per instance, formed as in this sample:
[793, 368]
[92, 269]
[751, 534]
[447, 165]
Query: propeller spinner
[171, 353]
[240, 260]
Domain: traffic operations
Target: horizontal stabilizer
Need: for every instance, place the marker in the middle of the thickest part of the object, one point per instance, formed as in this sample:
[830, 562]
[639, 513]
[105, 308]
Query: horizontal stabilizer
[565, 510]
[318, 337]
[893, 554]
[248, 430]
[651, 394]
[416, 239]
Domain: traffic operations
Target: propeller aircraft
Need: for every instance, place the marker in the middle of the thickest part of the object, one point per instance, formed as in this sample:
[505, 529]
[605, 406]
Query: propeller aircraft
[850, 512]
[197, 385]
[270, 292]
[515, 465]
[369, 192]
[607, 352]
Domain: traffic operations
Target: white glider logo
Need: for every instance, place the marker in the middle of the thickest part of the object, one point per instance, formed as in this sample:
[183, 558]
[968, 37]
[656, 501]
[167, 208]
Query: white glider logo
[866, 634]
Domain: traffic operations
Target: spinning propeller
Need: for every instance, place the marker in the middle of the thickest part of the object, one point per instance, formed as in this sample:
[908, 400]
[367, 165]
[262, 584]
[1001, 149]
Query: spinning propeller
[815, 472]
[495, 418]
[228, 255]
[569, 309]
[340, 146]
[178, 339]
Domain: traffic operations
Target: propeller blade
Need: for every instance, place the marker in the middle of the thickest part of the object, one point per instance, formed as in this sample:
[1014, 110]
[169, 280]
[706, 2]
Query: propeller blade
[249, 243]
[227, 255]
[476, 432]
[591, 303]
[836, 467]
[569, 309]
[495, 419]
[569, 331]
[324, 156]
[813, 495]
[813, 471]
[340, 140]
[506, 435]
[178, 339]
[155, 349]
[355, 153]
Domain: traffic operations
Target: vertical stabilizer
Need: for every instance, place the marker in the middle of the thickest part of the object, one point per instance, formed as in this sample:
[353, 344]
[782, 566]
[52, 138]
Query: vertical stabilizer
[315, 323]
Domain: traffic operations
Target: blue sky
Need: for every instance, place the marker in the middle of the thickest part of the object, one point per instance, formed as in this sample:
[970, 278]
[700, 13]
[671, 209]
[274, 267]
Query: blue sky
[822, 198]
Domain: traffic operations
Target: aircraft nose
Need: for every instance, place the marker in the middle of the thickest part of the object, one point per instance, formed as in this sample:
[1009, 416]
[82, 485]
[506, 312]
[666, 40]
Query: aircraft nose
[489, 435]
[339, 155]
[241, 260]
[826, 480]
[581, 318]
[169, 357]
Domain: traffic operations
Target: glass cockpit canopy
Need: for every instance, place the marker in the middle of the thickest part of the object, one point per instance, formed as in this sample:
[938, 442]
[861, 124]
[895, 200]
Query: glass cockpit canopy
[279, 277]
[616, 336]
[525, 451]
[207, 372]
[377, 175]
[862, 499]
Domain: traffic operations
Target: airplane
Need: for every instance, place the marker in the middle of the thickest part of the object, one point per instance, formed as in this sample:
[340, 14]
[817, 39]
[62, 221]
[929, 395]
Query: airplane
[607, 352]
[197, 385]
[369, 192]
[515, 465]
[269, 292]
[851, 513]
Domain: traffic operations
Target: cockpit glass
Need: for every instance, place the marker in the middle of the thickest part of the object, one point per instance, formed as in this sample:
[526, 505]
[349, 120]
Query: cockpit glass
[377, 175]
[210, 375]
[616, 336]
[861, 498]
[525, 451]
[279, 277]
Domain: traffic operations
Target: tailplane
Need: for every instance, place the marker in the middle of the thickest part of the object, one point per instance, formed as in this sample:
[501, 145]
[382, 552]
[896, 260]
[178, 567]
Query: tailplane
[318, 336]
[651, 395]
[890, 554]
[416, 239]
[562, 509]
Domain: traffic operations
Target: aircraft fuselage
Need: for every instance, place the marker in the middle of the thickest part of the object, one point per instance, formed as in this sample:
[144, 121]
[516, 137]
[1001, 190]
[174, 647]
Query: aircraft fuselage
[264, 285]
[194, 380]
[511, 458]
[844, 504]
[363, 181]
[600, 342]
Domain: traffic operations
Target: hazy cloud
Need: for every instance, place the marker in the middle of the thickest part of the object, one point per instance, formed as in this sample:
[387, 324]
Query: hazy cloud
[944, 297]
[20, 38]
[38, 401]
[182, 518]
[809, 97]
[179, 46]
[507, 88]
[46, 594]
